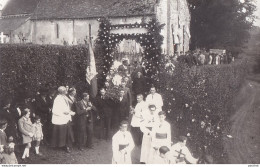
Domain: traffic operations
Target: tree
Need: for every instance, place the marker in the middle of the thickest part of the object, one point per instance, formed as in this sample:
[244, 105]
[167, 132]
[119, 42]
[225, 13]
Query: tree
[221, 24]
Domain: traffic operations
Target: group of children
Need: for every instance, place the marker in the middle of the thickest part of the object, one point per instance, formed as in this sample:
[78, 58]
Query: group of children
[31, 132]
[155, 150]
[148, 122]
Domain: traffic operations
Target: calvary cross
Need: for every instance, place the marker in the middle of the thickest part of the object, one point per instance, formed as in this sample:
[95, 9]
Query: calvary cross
[179, 153]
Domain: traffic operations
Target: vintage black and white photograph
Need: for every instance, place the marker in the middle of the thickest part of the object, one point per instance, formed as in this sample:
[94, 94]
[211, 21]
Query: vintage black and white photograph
[130, 82]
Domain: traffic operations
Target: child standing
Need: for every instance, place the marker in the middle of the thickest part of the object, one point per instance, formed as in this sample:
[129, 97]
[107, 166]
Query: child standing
[37, 135]
[26, 128]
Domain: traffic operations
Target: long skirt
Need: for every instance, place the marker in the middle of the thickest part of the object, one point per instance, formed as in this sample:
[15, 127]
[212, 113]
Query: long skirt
[122, 159]
[62, 135]
[146, 148]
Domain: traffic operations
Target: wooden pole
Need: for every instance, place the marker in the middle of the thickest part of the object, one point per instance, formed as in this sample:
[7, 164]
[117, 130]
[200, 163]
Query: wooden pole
[90, 37]
[183, 39]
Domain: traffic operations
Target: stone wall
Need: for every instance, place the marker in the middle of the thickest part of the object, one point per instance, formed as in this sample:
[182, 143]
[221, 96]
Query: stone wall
[24, 31]
[175, 15]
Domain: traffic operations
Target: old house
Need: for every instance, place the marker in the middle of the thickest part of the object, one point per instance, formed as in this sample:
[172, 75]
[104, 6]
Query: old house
[71, 21]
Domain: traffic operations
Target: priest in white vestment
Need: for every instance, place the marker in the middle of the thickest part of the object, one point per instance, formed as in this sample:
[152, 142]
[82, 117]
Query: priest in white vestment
[139, 111]
[154, 98]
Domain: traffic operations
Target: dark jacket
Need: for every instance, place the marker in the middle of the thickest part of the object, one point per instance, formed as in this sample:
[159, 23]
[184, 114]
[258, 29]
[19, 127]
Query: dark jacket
[123, 108]
[11, 129]
[84, 116]
[104, 106]
[42, 108]
[139, 85]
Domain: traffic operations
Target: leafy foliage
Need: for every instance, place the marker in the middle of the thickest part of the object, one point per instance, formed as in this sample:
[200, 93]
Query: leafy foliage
[221, 24]
[199, 103]
[27, 68]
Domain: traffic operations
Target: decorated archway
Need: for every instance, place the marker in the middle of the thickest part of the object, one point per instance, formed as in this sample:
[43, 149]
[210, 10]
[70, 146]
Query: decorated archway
[150, 41]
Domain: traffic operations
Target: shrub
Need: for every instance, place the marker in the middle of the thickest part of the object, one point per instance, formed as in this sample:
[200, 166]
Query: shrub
[199, 102]
[26, 68]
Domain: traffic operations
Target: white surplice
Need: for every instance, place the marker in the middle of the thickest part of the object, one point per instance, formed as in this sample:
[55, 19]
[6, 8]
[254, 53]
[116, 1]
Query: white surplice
[179, 154]
[161, 136]
[156, 100]
[150, 121]
[119, 140]
[141, 109]
[60, 105]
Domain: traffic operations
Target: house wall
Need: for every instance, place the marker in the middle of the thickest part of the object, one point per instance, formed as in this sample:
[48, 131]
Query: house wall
[75, 31]
[23, 31]
[175, 15]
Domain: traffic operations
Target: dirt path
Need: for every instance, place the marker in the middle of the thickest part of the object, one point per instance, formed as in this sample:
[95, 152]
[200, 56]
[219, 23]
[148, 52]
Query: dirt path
[101, 154]
[244, 146]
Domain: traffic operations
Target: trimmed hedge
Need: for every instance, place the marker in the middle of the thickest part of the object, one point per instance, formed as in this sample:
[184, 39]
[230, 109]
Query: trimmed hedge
[198, 99]
[199, 103]
[26, 68]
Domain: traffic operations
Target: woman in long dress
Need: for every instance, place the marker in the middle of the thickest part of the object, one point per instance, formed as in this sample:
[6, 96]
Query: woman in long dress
[62, 135]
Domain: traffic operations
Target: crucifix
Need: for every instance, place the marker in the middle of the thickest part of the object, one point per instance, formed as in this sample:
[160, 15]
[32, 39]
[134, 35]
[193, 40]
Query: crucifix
[180, 156]
[2, 37]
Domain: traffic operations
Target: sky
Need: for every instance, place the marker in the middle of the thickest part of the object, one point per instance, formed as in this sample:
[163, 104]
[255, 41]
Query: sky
[257, 13]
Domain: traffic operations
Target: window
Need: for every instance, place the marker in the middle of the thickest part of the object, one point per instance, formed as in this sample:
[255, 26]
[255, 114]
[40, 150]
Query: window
[58, 30]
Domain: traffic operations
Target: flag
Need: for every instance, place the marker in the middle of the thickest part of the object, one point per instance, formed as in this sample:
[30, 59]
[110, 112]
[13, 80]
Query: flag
[91, 71]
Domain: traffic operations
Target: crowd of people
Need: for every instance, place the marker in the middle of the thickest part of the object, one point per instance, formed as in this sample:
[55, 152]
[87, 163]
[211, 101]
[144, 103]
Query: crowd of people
[60, 119]
[198, 57]
[202, 57]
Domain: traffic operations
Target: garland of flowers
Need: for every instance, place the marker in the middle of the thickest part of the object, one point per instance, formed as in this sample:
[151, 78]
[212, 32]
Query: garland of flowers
[150, 41]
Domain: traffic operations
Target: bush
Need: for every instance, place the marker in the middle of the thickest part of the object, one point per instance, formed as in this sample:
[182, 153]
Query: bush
[26, 68]
[199, 102]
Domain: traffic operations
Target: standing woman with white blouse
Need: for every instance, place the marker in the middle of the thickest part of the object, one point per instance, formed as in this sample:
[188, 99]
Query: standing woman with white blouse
[62, 134]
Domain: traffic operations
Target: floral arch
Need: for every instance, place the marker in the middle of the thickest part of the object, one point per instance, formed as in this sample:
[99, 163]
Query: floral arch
[150, 41]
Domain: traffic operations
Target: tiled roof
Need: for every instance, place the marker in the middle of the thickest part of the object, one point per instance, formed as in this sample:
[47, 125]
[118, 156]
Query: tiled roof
[18, 7]
[12, 23]
[79, 9]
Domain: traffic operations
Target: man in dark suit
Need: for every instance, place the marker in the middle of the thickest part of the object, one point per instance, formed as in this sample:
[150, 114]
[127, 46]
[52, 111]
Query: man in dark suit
[42, 109]
[127, 92]
[84, 111]
[104, 107]
[138, 85]
[123, 107]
